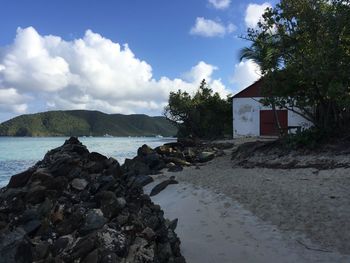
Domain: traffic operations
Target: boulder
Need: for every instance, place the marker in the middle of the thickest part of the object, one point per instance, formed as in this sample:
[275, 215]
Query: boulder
[79, 184]
[161, 186]
[206, 156]
[94, 220]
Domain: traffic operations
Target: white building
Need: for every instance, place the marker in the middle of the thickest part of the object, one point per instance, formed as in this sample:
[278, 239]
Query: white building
[251, 118]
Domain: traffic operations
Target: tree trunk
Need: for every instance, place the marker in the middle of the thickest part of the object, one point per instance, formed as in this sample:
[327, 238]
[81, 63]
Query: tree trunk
[277, 121]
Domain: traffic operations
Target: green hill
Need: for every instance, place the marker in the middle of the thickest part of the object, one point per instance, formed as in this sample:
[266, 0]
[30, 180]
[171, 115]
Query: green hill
[88, 123]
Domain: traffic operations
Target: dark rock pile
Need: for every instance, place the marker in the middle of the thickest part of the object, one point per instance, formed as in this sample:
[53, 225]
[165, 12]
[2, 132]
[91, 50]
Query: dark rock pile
[77, 206]
[173, 156]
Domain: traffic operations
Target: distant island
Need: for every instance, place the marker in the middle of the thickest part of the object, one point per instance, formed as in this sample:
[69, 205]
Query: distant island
[86, 123]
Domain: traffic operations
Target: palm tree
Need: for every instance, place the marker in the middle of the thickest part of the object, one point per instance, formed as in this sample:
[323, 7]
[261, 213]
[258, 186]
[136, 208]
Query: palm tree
[262, 53]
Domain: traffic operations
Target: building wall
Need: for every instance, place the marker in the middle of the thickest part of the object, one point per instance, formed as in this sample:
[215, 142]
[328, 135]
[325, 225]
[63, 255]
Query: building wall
[246, 117]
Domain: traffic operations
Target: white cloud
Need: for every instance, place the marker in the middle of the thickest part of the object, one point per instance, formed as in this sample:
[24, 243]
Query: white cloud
[10, 100]
[245, 73]
[210, 28]
[220, 4]
[92, 72]
[254, 13]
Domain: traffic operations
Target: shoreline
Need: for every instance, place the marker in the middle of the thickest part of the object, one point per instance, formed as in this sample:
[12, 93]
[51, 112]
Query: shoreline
[215, 228]
[246, 214]
[307, 201]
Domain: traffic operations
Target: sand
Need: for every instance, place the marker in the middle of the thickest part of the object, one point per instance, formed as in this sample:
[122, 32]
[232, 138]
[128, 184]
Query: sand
[231, 214]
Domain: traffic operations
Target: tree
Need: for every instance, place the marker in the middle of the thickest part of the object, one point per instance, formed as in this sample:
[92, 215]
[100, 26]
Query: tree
[263, 53]
[311, 40]
[203, 115]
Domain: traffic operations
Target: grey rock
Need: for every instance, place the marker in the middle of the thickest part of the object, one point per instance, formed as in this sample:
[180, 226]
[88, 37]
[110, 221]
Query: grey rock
[206, 156]
[41, 250]
[94, 220]
[148, 233]
[79, 184]
[9, 241]
[31, 226]
[161, 186]
[143, 180]
[92, 257]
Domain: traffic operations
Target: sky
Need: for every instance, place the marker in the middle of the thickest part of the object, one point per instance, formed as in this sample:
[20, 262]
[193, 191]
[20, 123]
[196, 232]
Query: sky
[120, 56]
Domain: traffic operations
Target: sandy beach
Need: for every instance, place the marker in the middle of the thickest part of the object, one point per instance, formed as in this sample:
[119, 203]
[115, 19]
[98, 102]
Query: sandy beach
[230, 214]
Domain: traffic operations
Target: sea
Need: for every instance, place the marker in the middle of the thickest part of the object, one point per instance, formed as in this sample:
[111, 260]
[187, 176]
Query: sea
[19, 153]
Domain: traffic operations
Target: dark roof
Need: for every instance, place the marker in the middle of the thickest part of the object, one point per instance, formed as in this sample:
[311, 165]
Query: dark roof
[253, 90]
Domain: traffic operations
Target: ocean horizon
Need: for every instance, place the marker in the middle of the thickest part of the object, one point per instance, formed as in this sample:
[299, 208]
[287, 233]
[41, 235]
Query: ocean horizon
[19, 153]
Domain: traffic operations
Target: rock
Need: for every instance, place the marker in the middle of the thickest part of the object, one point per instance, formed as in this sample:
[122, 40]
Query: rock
[161, 186]
[109, 203]
[83, 247]
[189, 153]
[136, 167]
[164, 150]
[44, 208]
[148, 233]
[206, 156]
[31, 226]
[140, 252]
[76, 206]
[94, 220]
[61, 244]
[113, 240]
[24, 253]
[20, 180]
[110, 257]
[41, 251]
[169, 165]
[173, 224]
[143, 180]
[144, 150]
[177, 161]
[36, 194]
[79, 184]
[9, 241]
[164, 251]
[96, 157]
[92, 257]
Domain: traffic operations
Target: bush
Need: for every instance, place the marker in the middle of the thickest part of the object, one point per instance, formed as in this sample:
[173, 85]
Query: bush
[310, 138]
[203, 115]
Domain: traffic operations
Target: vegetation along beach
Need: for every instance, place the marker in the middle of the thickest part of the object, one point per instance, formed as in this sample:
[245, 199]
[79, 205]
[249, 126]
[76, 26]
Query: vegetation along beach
[171, 132]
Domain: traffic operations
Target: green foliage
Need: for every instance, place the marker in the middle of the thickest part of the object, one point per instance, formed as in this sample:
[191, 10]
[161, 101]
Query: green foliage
[310, 138]
[86, 123]
[203, 115]
[305, 49]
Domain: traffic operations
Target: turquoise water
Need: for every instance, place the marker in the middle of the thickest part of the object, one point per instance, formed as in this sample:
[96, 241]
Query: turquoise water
[17, 153]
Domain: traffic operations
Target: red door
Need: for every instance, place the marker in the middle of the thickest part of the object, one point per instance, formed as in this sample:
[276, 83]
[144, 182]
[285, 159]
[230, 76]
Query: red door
[267, 122]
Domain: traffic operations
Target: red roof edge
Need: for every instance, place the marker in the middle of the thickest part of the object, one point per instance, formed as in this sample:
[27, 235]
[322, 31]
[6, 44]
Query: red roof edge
[253, 90]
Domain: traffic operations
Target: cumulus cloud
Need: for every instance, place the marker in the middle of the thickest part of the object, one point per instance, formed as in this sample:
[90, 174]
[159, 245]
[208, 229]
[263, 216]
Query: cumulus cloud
[254, 13]
[10, 100]
[210, 28]
[220, 4]
[91, 72]
[245, 73]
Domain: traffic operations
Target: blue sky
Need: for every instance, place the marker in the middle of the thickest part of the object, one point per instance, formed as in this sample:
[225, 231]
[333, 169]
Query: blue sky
[72, 54]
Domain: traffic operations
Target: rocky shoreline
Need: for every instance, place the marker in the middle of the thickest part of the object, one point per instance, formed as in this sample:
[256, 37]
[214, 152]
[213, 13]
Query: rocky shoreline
[77, 206]
[80, 206]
